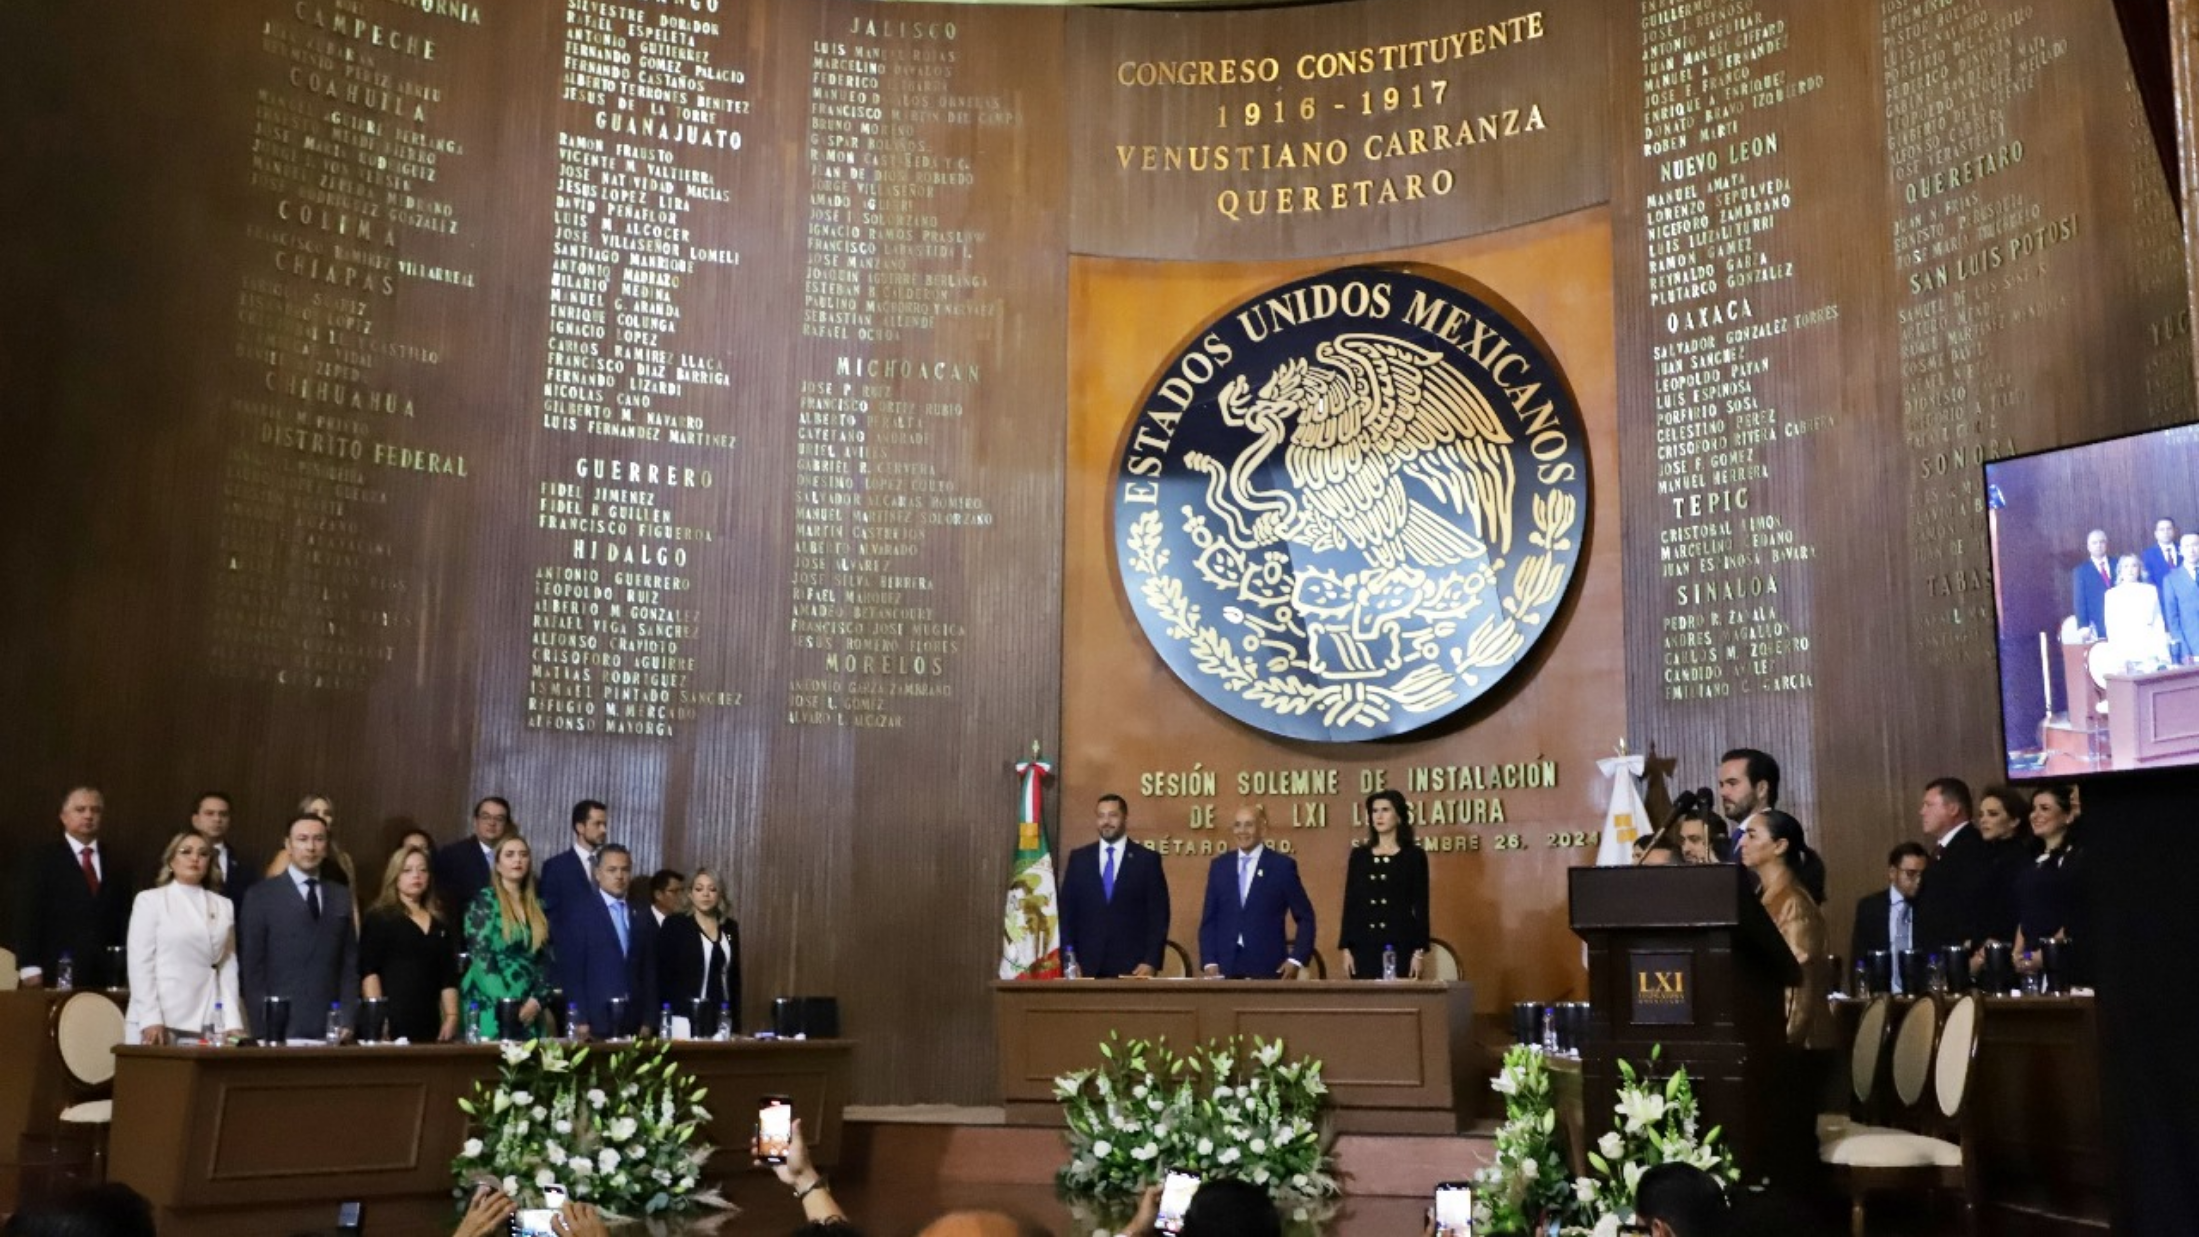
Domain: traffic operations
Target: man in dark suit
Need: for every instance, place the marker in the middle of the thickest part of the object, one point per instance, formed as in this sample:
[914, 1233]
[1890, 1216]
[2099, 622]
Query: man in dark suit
[462, 868]
[211, 817]
[75, 900]
[2089, 582]
[294, 937]
[1114, 901]
[2162, 557]
[1957, 897]
[1248, 891]
[569, 877]
[2180, 603]
[1887, 919]
[609, 951]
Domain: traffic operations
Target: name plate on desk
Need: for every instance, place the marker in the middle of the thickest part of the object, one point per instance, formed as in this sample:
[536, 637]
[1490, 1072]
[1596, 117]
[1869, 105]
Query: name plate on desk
[1663, 987]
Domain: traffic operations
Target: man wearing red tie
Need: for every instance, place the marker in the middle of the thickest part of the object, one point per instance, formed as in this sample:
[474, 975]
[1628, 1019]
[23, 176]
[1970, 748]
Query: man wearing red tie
[2162, 557]
[2089, 582]
[74, 901]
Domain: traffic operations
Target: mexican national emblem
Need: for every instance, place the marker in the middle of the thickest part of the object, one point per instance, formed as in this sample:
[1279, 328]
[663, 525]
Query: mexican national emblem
[1351, 505]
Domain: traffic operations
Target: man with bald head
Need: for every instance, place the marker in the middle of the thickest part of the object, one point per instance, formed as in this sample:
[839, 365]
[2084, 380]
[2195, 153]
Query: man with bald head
[2089, 582]
[1248, 891]
[75, 900]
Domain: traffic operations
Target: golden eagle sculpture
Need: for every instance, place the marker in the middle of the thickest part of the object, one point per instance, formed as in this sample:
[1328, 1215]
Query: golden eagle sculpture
[1366, 415]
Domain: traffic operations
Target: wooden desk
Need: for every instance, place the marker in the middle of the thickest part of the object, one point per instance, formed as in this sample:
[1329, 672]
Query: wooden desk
[33, 1087]
[2034, 1108]
[268, 1140]
[1397, 1057]
[2153, 719]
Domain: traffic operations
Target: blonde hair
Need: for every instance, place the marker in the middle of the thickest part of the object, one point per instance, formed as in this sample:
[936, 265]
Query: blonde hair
[168, 860]
[700, 873]
[521, 912]
[391, 900]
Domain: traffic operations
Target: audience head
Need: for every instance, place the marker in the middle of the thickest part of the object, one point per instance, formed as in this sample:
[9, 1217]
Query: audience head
[1700, 835]
[980, 1224]
[210, 815]
[705, 893]
[2164, 531]
[668, 891]
[492, 818]
[591, 823]
[1772, 840]
[1661, 853]
[1748, 782]
[81, 811]
[1228, 1208]
[1681, 1200]
[416, 838]
[513, 867]
[408, 880]
[109, 1210]
[1248, 826]
[1946, 804]
[1905, 866]
[511, 873]
[1111, 816]
[2128, 570]
[322, 806]
[614, 869]
[305, 841]
[2189, 546]
[2053, 810]
[1387, 812]
[2002, 814]
[188, 859]
[2095, 543]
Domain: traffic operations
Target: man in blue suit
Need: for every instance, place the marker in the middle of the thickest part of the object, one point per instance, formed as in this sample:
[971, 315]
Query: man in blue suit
[2180, 603]
[1114, 901]
[462, 868]
[609, 951]
[2162, 557]
[1247, 893]
[570, 875]
[2089, 582]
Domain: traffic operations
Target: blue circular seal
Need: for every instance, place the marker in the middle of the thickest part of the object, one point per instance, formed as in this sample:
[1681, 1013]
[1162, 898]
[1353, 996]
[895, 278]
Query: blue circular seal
[1350, 506]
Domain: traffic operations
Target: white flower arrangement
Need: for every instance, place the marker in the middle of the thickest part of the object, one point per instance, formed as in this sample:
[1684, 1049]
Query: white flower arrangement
[555, 1111]
[1216, 1110]
[1656, 1123]
[1526, 1183]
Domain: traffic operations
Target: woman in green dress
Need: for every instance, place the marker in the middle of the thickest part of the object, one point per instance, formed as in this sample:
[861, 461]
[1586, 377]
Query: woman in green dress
[508, 938]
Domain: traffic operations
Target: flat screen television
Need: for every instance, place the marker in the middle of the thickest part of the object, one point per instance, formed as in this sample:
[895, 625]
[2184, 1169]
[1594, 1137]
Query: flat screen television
[2097, 624]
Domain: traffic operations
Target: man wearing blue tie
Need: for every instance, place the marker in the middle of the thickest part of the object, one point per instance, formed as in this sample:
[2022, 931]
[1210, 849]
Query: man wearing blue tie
[608, 951]
[1114, 901]
[1247, 894]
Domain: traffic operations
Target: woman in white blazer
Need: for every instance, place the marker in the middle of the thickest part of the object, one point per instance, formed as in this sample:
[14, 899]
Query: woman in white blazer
[183, 949]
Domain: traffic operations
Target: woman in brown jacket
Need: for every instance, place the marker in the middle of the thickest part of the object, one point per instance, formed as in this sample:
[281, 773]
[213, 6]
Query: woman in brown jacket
[1792, 877]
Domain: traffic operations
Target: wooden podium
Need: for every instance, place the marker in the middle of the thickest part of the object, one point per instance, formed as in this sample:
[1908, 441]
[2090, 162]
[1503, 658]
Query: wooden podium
[1687, 957]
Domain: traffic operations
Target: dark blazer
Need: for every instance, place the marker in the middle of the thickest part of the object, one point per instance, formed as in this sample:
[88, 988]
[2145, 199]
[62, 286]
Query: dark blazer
[238, 873]
[680, 977]
[55, 913]
[1275, 891]
[284, 951]
[461, 873]
[1385, 903]
[2159, 565]
[1871, 934]
[1114, 937]
[1960, 897]
[594, 971]
[2180, 613]
[2088, 596]
[565, 882]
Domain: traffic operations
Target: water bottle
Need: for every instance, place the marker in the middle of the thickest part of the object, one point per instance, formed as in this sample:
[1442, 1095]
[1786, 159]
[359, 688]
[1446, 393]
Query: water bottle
[1860, 985]
[664, 1021]
[572, 1022]
[335, 1022]
[64, 972]
[1069, 967]
[1389, 962]
[1549, 1030]
[473, 1022]
[725, 1022]
[210, 1029]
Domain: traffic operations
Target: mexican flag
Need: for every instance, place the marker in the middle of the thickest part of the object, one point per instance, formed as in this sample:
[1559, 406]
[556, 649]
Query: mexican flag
[1030, 933]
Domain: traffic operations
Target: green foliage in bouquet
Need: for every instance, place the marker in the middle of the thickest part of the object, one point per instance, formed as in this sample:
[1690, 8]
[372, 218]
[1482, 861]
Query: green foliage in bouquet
[1655, 1122]
[1219, 1110]
[1527, 1183]
[616, 1128]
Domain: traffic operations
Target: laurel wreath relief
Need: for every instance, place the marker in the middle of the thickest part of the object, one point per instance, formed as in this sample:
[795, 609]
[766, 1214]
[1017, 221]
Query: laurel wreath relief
[1537, 580]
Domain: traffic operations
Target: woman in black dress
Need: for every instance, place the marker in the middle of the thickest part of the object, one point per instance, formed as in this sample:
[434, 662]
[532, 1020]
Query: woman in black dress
[2048, 897]
[407, 954]
[1385, 893]
[699, 955]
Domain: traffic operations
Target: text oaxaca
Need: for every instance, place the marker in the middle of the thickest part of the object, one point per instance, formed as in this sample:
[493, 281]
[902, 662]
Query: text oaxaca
[1350, 505]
